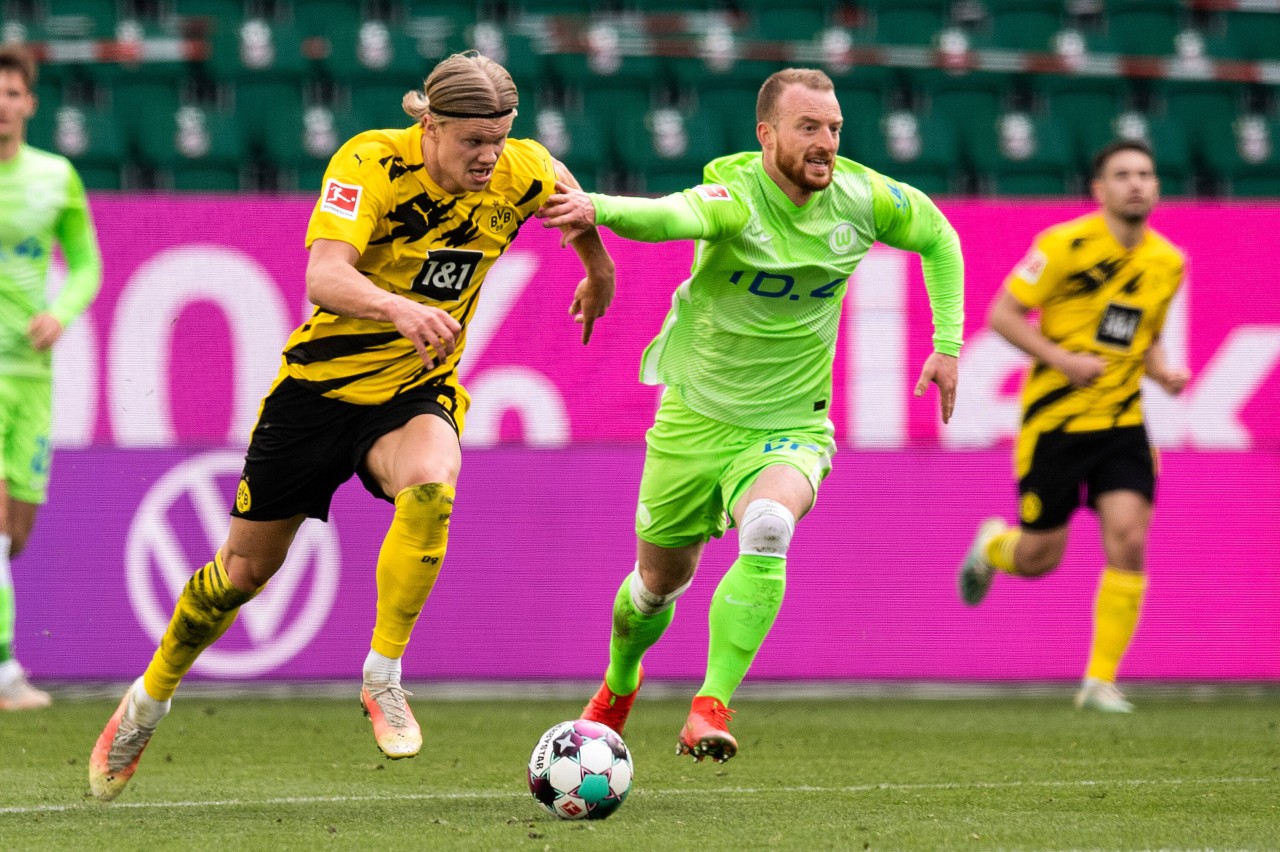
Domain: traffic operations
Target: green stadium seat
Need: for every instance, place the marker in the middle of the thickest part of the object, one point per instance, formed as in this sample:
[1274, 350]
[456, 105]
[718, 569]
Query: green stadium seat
[789, 22]
[611, 106]
[911, 147]
[1199, 106]
[970, 101]
[1255, 34]
[909, 22]
[261, 104]
[669, 144]
[1023, 153]
[440, 26]
[1135, 29]
[581, 143]
[197, 150]
[735, 111]
[379, 103]
[1024, 25]
[1078, 104]
[139, 103]
[90, 138]
[1245, 155]
[374, 50]
[79, 19]
[302, 145]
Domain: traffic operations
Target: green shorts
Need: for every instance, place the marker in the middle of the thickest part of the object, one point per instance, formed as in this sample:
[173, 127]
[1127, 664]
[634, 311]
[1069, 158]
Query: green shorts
[26, 417]
[696, 469]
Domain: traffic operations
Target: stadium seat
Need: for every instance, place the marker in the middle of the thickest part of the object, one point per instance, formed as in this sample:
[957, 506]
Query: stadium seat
[789, 22]
[909, 22]
[1255, 34]
[302, 146]
[1199, 106]
[139, 103]
[666, 144]
[970, 101]
[90, 138]
[577, 141]
[196, 149]
[1078, 104]
[1140, 29]
[1245, 154]
[911, 147]
[379, 103]
[373, 51]
[441, 27]
[1023, 25]
[1022, 153]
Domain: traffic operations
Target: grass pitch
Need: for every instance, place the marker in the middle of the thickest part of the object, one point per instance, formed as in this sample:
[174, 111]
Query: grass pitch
[1014, 772]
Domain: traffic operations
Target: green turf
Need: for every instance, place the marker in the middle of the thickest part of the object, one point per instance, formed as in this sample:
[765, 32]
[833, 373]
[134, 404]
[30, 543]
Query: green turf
[1015, 773]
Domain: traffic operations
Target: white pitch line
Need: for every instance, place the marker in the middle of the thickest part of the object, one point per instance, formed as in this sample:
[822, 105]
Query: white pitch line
[717, 791]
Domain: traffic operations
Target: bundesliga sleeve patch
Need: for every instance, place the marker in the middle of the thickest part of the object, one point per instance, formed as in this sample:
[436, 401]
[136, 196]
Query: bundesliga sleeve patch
[341, 199]
[713, 192]
[1030, 267]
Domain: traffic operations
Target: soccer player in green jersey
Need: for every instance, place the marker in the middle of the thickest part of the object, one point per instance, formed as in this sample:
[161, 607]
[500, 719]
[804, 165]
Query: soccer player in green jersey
[746, 356]
[41, 200]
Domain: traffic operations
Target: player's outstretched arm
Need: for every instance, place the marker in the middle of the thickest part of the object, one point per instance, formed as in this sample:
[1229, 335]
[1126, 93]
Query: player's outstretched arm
[594, 293]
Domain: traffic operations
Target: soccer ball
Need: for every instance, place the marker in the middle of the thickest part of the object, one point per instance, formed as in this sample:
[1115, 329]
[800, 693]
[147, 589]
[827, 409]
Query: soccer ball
[580, 770]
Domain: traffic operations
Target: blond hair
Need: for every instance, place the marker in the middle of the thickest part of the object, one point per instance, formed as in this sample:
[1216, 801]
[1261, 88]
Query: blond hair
[767, 101]
[464, 85]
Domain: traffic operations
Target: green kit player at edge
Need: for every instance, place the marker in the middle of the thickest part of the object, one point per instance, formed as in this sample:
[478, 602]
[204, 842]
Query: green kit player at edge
[746, 355]
[41, 200]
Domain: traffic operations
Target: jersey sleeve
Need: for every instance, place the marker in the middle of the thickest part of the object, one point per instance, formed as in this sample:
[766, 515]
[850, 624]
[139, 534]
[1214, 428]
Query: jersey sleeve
[706, 212]
[907, 219]
[1179, 278]
[1031, 282]
[353, 197]
[74, 233]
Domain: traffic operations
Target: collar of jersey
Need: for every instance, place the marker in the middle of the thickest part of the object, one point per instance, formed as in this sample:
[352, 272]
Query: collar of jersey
[1101, 225]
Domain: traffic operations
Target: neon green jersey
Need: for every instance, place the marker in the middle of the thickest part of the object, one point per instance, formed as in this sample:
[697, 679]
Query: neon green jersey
[750, 339]
[41, 200]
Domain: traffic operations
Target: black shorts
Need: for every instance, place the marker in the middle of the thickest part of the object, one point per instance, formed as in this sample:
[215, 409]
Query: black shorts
[305, 445]
[1068, 465]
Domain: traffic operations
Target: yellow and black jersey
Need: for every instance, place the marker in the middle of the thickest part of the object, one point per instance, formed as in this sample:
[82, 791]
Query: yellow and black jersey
[1094, 296]
[415, 240]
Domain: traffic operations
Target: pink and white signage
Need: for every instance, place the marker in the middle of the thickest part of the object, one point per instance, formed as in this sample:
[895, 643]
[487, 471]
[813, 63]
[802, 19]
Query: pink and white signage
[158, 386]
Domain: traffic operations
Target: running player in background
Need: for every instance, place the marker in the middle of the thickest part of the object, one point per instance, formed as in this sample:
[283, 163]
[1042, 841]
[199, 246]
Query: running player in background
[41, 201]
[742, 434]
[1102, 285]
[407, 226]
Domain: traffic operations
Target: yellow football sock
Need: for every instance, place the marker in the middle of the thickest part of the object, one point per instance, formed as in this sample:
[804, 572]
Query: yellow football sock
[205, 609]
[1000, 550]
[1115, 617]
[409, 562]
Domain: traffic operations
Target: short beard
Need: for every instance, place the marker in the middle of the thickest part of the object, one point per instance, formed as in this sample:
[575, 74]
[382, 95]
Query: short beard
[793, 170]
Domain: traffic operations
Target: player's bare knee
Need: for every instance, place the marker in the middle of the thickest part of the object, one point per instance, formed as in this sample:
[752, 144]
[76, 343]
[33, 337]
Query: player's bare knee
[766, 529]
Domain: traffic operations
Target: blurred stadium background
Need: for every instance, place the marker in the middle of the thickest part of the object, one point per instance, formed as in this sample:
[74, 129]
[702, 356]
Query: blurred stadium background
[955, 96]
[202, 129]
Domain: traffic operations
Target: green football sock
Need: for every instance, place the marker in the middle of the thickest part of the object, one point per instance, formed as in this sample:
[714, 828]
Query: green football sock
[634, 632]
[6, 622]
[8, 608]
[743, 609]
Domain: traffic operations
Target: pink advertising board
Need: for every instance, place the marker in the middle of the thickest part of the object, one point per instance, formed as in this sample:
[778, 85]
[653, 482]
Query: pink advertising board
[158, 385]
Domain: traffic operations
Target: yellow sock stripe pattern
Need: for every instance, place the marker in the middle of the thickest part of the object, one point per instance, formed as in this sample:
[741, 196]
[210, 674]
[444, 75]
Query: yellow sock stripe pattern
[205, 609]
[1000, 550]
[1115, 618]
[409, 562]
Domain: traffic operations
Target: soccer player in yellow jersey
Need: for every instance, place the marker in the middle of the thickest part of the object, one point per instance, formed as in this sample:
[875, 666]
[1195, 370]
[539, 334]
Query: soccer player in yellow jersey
[1102, 285]
[407, 225]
